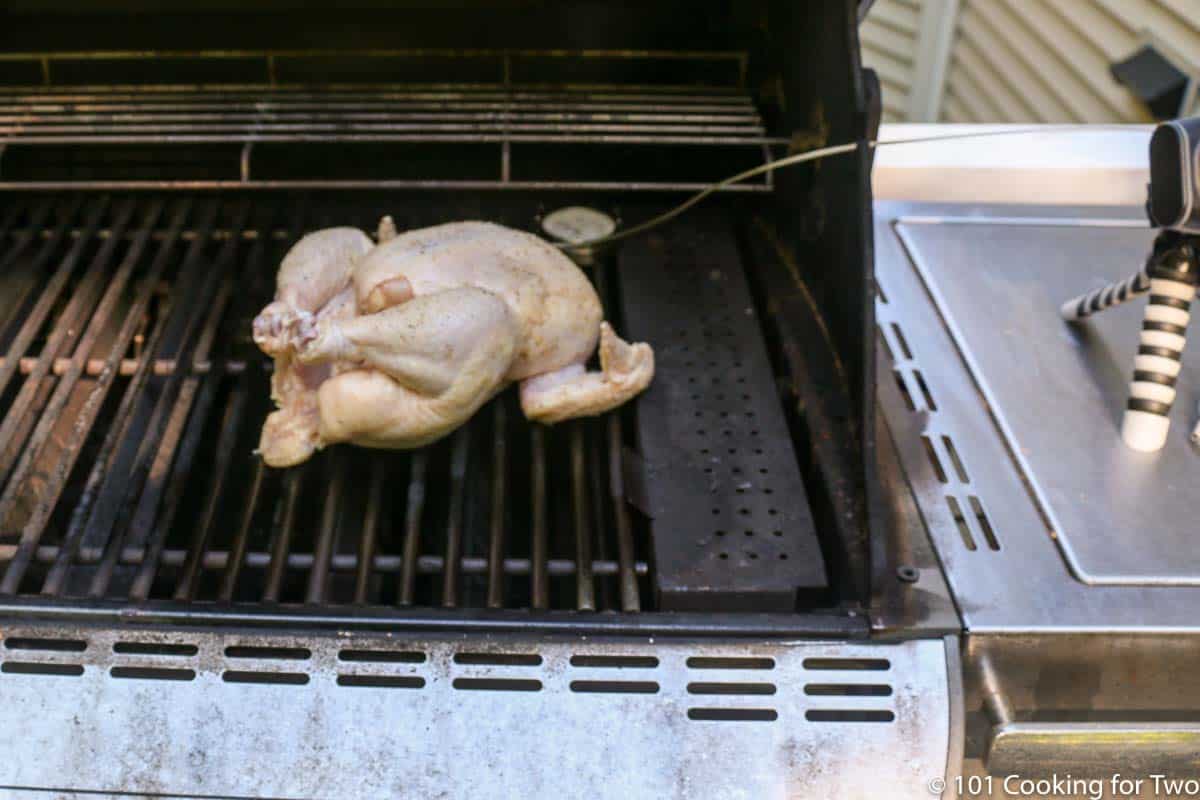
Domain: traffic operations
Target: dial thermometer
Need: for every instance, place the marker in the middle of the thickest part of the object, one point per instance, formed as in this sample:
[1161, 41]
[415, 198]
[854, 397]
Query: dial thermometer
[576, 224]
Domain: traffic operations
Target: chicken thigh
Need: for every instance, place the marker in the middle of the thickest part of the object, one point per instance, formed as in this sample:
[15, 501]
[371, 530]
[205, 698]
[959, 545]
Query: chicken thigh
[396, 345]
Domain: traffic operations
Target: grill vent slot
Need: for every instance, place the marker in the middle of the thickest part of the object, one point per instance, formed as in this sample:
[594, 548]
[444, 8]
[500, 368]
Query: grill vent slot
[959, 468]
[382, 656]
[731, 688]
[887, 348]
[35, 668]
[46, 645]
[902, 342]
[960, 520]
[644, 662]
[949, 467]
[848, 664]
[153, 673]
[730, 662]
[904, 392]
[499, 659]
[382, 681]
[250, 676]
[849, 715]
[269, 653]
[925, 393]
[614, 687]
[498, 684]
[848, 689]
[934, 461]
[733, 714]
[154, 649]
[985, 524]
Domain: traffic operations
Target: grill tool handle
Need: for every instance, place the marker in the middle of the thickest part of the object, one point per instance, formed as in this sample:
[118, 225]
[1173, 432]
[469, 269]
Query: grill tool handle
[1093, 748]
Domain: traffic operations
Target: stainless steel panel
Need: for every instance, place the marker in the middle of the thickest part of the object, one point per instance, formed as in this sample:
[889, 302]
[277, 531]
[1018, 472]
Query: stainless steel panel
[993, 541]
[1058, 390]
[189, 713]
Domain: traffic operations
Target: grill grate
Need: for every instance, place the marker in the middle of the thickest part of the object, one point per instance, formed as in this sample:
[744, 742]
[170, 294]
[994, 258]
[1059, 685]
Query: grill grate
[126, 478]
[265, 119]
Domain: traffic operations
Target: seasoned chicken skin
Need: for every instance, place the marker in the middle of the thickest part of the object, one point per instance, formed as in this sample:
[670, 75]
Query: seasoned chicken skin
[398, 344]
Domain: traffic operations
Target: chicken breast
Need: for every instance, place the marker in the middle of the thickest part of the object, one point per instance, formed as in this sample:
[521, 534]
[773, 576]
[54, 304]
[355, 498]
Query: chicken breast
[396, 345]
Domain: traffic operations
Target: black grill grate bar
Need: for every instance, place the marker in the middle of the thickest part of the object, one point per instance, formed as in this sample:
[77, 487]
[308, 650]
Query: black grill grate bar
[18, 299]
[454, 524]
[141, 517]
[230, 425]
[585, 587]
[99, 509]
[46, 301]
[32, 530]
[30, 232]
[101, 466]
[630, 599]
[412, 527]
[176, 452]
[540, 589]
[86, 416]
[241, 541]
[627, 583]
[319, 573]
[284, 526]
[18, 416]
[372, 521]
[495, 590]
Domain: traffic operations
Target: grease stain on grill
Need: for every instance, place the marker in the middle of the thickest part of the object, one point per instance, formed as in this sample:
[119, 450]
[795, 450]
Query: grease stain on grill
[849, 715]
[154, 649]
[730, 662]
[268, 653]
[604, 661]
[248, 676]
[382, 681]
[498, 684]
[382, 656]
[499, 659]
[733, 714]
[46, 645]
[614, 687]
[36, 668]
[153, 673]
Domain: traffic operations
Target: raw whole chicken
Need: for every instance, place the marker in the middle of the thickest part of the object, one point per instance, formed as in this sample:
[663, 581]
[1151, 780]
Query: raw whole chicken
[395, 345]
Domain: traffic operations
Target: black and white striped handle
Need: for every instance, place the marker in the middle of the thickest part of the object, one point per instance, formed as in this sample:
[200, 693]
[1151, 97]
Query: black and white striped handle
[1105, 297]
[1159, 359]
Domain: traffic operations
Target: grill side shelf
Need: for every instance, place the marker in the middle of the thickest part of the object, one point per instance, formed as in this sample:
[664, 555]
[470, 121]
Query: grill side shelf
[732, 528]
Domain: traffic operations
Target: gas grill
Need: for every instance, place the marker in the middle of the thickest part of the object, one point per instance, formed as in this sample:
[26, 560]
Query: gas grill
[724, 587]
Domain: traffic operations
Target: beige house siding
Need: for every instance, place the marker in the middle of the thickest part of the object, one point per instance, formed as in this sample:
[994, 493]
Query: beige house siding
[1028, 60]
[889, 46]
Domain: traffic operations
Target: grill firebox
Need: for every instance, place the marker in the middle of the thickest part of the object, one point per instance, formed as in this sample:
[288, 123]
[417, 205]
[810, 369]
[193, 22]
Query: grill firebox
[133, 398]
[149, 188]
